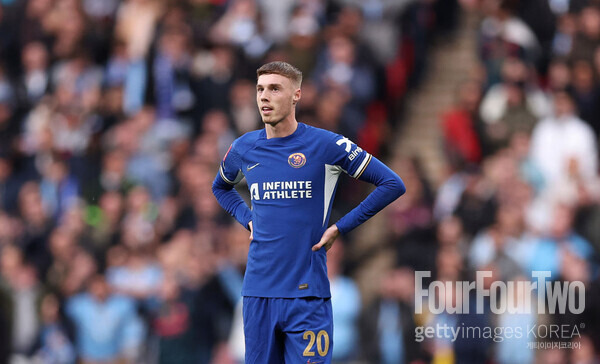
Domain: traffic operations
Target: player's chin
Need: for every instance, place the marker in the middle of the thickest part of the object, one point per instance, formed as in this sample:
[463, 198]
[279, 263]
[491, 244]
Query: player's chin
[270, 120]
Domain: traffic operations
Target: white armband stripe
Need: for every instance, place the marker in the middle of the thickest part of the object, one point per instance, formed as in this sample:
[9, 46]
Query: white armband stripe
[362, 166]
[225, 178]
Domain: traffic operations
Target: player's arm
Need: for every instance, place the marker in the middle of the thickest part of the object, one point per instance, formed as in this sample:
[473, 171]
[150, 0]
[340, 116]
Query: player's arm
[389, 187]
[230, 173]
[363, 166]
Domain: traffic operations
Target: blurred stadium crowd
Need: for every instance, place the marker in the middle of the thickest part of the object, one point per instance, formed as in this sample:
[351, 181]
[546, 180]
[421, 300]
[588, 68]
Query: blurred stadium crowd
[522, 192]
[114, 115]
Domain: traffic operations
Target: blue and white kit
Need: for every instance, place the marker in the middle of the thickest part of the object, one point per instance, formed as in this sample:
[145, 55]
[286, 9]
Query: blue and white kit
[292, 182]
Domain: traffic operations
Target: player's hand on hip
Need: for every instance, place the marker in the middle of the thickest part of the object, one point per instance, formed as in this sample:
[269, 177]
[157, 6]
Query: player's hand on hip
[327, 239]
[251, 231]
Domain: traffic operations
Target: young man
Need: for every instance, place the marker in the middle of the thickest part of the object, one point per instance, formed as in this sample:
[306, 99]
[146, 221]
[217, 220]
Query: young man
[292, 171]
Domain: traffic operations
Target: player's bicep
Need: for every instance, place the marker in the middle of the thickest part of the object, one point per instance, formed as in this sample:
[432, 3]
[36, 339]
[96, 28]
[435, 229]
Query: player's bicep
[349, 156]
[231, 166]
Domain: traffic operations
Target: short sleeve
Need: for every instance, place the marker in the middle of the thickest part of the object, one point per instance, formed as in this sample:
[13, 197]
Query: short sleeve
[231, 166]
[348, 156]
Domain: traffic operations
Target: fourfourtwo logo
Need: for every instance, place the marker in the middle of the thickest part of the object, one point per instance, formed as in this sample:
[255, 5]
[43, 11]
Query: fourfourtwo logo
[510, 296]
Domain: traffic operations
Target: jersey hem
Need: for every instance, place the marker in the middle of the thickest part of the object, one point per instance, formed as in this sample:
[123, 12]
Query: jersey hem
[256, 294]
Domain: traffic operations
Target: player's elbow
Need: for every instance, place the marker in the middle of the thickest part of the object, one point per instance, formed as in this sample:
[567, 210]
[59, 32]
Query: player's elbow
[219, 186]
[215, 189]
[398, 186]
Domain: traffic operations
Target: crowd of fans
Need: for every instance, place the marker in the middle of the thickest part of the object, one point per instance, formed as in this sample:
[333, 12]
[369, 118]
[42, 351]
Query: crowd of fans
[114, 115]
[522, 193]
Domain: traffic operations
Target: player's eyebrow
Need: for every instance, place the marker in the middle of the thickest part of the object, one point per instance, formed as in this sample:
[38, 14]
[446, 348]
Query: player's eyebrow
[270, 85]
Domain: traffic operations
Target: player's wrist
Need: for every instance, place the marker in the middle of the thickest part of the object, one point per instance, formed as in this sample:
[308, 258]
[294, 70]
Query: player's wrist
[338, 229]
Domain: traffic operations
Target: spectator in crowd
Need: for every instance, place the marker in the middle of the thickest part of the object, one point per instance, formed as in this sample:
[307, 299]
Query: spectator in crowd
[346, 299]
[54, 342]
[515, 350]
[549, 251]
[461, 126]
[585, 352]
[37, 227]
[504, 244]
[340, 71]
[8, 125]
[513, 105]
[174, 322]
[173, 91]
[139, 278]
[562, 43]
[388, 330]
[410, 219]
[559, 76]
[22, 295]
[586, 93]
[36, 75]
[503, 35]
[216, 78]
[588, 37]
[242, 107]
[563, 146]
[112, 336]
[59, 190]
[9, 185]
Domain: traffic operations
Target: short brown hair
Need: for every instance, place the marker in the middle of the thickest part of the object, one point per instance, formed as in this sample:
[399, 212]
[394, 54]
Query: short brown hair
[281, 68]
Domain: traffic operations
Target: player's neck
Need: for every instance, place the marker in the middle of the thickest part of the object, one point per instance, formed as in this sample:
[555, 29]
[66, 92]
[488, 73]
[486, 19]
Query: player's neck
[281, 129]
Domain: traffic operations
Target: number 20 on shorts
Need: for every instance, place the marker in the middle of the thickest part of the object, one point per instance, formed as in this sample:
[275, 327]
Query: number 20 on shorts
[322, 339]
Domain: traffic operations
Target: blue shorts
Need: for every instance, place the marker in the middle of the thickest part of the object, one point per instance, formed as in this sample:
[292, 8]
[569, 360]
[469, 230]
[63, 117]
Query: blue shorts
[288, 330]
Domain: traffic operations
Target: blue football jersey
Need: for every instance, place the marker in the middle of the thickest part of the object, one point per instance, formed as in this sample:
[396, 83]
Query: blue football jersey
[292, 181]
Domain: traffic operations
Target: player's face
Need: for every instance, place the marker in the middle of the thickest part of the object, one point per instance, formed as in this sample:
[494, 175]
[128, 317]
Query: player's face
[276, 96]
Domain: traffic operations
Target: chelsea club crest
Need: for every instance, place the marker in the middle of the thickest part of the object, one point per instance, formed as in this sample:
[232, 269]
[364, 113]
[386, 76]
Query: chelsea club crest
[297, 160]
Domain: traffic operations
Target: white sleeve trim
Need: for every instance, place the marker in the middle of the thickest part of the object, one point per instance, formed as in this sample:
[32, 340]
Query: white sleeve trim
[362, 166]
[235, 181]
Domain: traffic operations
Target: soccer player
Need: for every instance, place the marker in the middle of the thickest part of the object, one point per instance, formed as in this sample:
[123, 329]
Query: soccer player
[292, 171]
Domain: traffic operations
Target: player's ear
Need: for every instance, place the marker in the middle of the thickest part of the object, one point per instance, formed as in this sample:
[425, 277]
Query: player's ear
[297, 96]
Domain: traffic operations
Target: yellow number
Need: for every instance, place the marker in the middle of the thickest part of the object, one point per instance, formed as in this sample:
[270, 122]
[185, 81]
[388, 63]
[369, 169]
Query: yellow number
[307, 351]
[322, 348]
[322, 351]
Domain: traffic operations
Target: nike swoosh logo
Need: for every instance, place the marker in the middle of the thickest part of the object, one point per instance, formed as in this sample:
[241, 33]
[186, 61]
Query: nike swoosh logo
[250, 167]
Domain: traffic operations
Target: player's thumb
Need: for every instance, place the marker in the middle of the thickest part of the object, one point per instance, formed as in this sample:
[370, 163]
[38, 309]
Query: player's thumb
[318, 245]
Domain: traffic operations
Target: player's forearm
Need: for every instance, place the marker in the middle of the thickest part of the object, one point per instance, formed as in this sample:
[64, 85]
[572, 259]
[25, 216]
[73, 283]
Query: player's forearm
[231, 201]
[389, 188]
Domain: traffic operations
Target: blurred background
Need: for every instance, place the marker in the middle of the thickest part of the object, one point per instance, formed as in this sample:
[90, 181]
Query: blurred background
[114, 116]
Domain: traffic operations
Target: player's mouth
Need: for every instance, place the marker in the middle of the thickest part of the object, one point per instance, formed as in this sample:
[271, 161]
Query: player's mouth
[266, 110]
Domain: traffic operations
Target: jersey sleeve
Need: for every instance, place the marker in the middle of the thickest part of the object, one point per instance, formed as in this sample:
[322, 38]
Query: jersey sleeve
[345, 154]
[230, 173]
[389, 186]
[231, 165]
